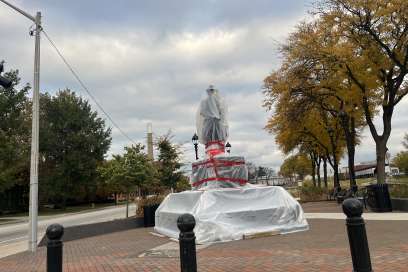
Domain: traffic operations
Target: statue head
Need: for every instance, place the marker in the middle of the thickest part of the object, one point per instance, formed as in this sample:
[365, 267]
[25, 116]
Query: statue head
[211, 90]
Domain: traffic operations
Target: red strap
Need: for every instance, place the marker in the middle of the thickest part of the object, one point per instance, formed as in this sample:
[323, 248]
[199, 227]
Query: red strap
[221, 163]
[234, 180]
[219, 143]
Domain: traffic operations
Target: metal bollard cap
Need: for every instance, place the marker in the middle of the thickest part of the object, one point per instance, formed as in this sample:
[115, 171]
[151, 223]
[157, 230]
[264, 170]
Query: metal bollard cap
[352, 207]
[186, 222]
[55, 232]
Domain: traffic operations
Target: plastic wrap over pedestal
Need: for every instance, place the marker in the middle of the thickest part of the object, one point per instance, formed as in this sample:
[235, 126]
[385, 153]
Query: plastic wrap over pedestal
[229, 214]
[219, 172]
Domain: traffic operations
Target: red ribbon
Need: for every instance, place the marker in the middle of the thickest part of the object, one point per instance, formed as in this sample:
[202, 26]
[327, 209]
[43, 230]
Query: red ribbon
[235, 180]
[216, 162]
[216, 150]
[219, 143]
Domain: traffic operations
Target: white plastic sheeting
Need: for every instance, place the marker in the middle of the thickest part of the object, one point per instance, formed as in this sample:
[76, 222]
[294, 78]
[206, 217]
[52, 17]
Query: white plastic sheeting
[211, 120]
[229, 214]
[219, 172]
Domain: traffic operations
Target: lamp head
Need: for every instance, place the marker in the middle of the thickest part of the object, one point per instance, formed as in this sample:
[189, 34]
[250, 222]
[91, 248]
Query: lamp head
[228, 147]
[195, 139]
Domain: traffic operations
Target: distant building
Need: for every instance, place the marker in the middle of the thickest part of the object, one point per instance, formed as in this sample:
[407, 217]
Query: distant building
[369, 169]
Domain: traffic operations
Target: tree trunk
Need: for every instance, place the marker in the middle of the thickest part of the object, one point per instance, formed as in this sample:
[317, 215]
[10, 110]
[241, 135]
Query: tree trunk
[319, 180]
[348, 125]
[381, 149]
[336, 174]
[127, 204]
[313, 170]
[381, 140]
[335, 165]
[64, 202]
[381, 145]
[325, 171]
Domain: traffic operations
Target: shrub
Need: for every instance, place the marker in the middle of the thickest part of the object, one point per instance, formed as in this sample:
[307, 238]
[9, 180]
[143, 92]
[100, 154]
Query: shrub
[147, 201]
[399, 190]
[312, 193]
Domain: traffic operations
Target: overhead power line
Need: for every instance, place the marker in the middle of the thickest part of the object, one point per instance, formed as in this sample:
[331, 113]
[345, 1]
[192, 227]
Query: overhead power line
[76, 76]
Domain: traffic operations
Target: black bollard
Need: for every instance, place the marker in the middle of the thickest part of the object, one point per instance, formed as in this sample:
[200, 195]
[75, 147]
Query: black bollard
[188, 259]
[54, 248]
[360, 253]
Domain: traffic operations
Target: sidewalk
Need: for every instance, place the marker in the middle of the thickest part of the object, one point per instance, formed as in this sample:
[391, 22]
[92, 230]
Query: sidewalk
[323, 248]
[6, 220]
[333, 210]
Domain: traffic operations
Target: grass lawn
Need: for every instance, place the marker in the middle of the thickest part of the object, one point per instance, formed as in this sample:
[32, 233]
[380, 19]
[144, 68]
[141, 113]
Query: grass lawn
[398, 186]
[366, 181]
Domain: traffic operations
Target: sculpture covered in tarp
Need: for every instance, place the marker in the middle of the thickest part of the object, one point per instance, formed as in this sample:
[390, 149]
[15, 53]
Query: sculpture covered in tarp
[217, 170]
[223, 204]
[212, 125]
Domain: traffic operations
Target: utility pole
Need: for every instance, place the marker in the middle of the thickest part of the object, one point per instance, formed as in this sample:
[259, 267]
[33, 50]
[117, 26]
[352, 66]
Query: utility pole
[33, 209]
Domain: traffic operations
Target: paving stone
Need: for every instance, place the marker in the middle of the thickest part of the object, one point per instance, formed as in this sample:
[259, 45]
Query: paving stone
[323, 248]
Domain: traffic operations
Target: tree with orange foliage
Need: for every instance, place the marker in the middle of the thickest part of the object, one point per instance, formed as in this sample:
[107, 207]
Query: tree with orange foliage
[373, 53]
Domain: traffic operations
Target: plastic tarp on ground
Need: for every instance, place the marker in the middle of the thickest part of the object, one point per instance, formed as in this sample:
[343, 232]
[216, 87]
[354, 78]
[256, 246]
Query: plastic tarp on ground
[229, 214]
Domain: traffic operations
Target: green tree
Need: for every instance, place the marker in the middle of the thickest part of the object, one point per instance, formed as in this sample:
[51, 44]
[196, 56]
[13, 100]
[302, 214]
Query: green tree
[169, 161]
[125, 173]
[73, 142]
[401, 161]
[14, 134]
[372, 51]
[405, 141]
[296, 165]
[183, 184]
[310, 77]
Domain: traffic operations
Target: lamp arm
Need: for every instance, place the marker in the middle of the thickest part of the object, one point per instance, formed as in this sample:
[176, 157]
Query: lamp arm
[32, 18]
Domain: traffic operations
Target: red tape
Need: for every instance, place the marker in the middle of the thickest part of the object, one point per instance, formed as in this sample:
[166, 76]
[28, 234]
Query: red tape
[219, 143]
[219, 163]
[234, 180]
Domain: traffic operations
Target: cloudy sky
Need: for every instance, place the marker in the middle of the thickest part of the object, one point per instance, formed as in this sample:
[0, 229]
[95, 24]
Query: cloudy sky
[151, 61]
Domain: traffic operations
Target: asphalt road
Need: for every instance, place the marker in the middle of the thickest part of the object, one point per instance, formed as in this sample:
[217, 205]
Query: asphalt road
[14, 239]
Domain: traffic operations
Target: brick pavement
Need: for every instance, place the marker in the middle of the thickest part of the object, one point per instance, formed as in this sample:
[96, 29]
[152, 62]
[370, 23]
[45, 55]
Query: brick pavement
[323, 248]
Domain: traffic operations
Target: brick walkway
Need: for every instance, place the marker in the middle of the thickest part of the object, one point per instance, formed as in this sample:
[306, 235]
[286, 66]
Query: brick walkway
[323, 248]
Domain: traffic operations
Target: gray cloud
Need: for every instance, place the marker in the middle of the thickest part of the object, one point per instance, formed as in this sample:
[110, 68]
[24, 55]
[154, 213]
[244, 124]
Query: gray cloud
[150, 61]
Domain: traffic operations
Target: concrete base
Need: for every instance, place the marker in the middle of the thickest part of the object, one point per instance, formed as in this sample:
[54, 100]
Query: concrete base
[231, 214]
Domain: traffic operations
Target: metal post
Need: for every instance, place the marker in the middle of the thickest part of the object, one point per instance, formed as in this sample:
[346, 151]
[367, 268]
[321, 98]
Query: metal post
[54, 247]
[188, 259]
[196, 150]
[360, 253]
[127, 204]
[33, 209]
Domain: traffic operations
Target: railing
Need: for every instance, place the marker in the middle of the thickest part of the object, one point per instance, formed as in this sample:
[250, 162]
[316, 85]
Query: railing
[360, 253]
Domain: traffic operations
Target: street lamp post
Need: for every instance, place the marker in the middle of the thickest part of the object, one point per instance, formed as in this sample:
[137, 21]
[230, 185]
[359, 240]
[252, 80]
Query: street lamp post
[195, 143]
[228, 148]
[33, 209]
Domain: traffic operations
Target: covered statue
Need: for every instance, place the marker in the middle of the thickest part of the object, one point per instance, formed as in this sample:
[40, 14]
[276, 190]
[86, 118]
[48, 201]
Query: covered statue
[216, 170]
[212, 125]
[225, 206]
